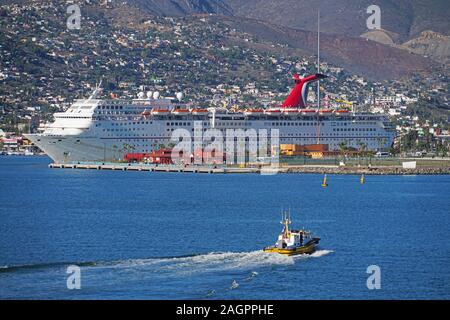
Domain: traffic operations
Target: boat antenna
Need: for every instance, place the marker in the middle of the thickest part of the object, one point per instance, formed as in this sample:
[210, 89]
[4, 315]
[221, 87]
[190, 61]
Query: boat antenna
[96, 90]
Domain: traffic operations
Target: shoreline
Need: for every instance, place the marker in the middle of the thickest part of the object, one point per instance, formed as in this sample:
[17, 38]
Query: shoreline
[371, 171]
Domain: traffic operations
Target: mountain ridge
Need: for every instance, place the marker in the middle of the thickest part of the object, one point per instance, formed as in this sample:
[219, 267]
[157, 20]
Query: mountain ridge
[408, 18]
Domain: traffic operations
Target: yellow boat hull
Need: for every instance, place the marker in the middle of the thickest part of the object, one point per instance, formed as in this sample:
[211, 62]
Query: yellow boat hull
[308, 248]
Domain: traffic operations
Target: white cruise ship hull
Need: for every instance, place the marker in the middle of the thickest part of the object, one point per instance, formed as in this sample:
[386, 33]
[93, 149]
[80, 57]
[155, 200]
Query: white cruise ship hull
[102, 145]
[106, 130]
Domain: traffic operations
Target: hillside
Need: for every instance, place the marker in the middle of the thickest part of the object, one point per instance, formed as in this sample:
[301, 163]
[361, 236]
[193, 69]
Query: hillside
[211, 58]
[44, 64]
[179, 8]
[401, 20]
[407, 18]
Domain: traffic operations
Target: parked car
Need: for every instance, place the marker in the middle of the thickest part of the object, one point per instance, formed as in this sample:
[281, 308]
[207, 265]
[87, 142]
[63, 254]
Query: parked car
[382, 154]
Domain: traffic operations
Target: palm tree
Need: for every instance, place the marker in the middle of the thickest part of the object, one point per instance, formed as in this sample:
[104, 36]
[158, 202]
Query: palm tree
[343, 146]
[115, 149]
[362, 147]
[379, 143]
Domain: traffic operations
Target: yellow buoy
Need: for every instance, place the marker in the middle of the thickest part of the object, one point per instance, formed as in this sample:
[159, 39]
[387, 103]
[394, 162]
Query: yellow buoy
[324, 183]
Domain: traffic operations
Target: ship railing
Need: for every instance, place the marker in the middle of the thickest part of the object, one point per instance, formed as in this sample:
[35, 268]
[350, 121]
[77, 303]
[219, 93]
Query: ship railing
[118, 118]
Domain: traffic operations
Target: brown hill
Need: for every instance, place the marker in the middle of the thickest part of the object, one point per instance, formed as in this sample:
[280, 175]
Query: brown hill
[361, 56]
[431, 44]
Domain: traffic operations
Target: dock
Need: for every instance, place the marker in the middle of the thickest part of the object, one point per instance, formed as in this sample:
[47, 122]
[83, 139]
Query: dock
[154, 168]
[283, 168]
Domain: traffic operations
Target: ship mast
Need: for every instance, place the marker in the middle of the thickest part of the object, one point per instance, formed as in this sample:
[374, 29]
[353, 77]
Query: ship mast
[318, 71]
[318, 59]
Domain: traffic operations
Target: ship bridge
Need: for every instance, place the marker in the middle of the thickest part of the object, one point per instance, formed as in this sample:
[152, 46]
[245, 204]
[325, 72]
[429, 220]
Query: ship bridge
[75, 120]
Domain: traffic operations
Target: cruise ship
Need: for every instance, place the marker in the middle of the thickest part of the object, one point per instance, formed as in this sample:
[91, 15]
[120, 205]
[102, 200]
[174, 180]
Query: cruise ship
[104, 130]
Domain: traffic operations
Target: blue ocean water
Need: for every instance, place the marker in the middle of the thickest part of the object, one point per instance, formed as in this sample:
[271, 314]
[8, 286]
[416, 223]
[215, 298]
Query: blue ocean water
[198, 236]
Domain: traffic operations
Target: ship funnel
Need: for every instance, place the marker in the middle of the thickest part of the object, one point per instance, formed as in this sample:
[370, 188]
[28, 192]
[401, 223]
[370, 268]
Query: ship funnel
[299, 94]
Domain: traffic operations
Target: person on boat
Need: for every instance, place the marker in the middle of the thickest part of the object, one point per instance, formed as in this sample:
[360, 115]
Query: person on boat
[301, 238]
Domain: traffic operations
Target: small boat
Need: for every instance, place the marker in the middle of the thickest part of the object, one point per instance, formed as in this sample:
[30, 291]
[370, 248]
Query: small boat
[199, 111]
[290, 111]
[307, 111]
[250, 112]
[325, 183]
[181, 111]
[293, 242]
[272, 111]
[160, 111]
[145, 113]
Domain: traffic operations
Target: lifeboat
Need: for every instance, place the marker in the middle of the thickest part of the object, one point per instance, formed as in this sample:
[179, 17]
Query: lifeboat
[342, 111]
[307, 111]
[273, 111]
[293, 242]
[326, 111]
[181, 111]
[290, 111]
[145, 113]
[199, 111]
[250, 112]
[160, 111]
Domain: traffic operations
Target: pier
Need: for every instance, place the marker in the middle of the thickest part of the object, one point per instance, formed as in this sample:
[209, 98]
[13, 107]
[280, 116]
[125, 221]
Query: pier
[441, 167]
[154, 168]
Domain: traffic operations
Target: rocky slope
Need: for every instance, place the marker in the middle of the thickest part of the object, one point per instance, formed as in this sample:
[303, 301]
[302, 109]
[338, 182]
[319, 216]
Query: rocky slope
[430, 43]
[358, 55]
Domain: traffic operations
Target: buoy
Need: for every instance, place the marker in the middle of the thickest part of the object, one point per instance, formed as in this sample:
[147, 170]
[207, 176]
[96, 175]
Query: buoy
[324, 183]
[362, 179]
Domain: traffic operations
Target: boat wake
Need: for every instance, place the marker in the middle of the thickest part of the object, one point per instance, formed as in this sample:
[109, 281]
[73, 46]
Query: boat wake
[214, 261]
[320, 253]
[209, 262]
